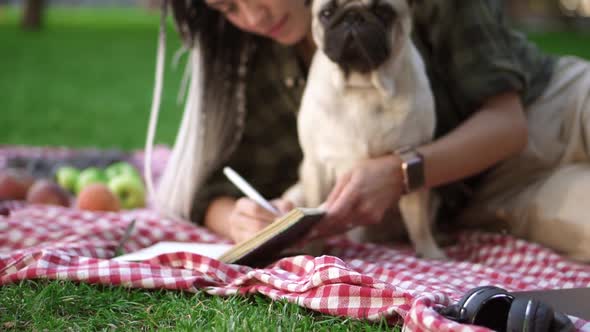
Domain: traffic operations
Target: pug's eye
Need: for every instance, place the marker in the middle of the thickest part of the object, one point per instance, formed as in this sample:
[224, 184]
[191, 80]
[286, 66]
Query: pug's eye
[384, 12]
[325, 14]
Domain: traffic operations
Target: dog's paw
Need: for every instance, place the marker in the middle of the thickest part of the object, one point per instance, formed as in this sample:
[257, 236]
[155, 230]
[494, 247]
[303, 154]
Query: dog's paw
[432, 253]
[295, 195]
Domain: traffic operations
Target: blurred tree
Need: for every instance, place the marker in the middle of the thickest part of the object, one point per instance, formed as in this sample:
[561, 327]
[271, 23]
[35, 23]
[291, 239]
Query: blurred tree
[33, 14]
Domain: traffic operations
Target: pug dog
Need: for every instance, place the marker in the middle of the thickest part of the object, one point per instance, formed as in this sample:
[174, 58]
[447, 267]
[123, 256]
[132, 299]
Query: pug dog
[367, 96]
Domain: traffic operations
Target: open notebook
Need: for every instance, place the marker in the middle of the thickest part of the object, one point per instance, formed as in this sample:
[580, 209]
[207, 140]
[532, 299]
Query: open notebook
[261, 249]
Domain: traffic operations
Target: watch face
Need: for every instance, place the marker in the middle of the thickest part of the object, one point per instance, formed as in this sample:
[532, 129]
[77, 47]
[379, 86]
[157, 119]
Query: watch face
[413, 167]
[413, 159]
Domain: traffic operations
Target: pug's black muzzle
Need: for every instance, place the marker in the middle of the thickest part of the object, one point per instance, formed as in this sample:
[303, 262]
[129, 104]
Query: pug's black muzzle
[356, 40]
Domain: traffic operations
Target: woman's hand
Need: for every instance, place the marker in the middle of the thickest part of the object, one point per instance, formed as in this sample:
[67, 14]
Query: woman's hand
[361, 196]
[248, 217]
[499, 128]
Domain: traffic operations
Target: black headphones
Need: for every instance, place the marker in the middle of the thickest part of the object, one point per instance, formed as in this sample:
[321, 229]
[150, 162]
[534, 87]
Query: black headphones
[496, 309]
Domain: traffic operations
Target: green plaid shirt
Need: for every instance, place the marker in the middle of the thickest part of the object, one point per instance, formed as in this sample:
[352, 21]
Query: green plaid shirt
[268, 155]
[469, 53]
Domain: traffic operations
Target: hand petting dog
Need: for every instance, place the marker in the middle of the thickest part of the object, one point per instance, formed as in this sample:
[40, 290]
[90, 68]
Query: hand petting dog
[363, 195]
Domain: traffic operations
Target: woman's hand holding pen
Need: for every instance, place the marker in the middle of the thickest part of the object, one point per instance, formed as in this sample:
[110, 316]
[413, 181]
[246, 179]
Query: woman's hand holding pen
[249, 217]
[253, 212]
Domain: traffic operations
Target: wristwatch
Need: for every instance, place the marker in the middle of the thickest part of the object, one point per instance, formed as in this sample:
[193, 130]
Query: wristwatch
[412, 168]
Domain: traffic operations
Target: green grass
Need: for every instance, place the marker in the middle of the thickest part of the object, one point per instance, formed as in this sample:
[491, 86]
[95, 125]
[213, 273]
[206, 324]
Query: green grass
[563, 43]
[86, 80]
[63, 305]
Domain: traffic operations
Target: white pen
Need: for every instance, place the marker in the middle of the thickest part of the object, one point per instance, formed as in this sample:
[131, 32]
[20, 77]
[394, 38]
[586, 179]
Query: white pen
[248, 190]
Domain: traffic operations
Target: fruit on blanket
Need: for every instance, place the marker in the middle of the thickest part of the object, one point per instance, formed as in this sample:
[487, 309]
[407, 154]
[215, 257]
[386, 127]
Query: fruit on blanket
[48, 192]
[97, 197]
[121, 168]
[129, 189]
[88, 176]
[14, 184]
[67, 177]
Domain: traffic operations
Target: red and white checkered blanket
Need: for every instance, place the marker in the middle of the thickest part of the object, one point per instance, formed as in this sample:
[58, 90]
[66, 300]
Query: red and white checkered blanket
[360, 281]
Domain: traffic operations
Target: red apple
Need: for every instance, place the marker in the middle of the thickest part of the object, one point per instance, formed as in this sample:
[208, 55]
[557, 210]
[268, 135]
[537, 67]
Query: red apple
[97, 197]
[14, 184]
[48, 192]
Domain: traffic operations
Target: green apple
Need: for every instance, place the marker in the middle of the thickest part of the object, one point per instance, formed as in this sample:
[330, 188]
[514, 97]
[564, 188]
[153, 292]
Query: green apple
[120, 168]
[88, 176]
[129, 189]
[67, 177]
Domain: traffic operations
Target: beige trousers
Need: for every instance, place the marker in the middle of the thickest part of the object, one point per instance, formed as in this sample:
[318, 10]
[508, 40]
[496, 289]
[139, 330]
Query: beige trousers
[543, 195]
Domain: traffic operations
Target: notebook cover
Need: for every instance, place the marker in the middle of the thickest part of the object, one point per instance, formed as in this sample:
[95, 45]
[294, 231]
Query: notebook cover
[271, 249]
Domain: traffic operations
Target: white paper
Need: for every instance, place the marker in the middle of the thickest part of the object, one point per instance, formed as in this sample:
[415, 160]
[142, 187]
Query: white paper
[205, 249]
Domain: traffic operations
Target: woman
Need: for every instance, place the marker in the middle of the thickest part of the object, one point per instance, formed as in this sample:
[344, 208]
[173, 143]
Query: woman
[513, 131]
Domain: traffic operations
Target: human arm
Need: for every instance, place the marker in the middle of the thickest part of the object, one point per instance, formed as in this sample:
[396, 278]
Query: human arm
[496, 131]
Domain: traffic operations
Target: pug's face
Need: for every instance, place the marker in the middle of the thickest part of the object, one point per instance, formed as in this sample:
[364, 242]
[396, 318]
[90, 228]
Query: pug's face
[360, 35]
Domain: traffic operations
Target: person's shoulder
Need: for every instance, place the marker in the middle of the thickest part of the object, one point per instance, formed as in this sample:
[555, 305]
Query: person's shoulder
[430, 12]
[427, 10]
[429, 6]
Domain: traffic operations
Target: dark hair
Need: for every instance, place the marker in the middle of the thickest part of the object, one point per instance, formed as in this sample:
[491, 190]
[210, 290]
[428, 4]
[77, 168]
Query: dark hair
[221, 44]
[212, 127]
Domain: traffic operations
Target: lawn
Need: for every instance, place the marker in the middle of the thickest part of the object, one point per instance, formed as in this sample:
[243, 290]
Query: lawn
[86, 80]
